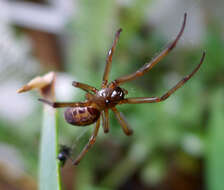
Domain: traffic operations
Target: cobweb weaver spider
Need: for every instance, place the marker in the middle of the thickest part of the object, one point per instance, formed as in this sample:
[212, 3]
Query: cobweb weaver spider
[98, 102]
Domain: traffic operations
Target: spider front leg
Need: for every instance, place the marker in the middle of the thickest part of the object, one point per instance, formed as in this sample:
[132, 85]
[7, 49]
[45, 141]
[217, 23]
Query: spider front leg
[125, 126]
[64, 104]
[166, 95]
[109, 59]
[92, 140]
[84, 87]
[157, 59]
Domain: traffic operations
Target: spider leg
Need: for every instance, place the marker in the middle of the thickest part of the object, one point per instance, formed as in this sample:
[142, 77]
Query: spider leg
[109, 59]
[105, 118]
[125, 126]
[64, 104]
[151, 64]
[92, 140]
[84, 87]
[166, 95]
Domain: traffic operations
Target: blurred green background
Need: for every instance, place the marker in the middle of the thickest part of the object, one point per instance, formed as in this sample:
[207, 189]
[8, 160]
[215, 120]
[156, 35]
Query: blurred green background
[177, 144]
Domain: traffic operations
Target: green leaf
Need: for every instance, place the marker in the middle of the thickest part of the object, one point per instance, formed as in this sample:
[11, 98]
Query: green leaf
[49, 173]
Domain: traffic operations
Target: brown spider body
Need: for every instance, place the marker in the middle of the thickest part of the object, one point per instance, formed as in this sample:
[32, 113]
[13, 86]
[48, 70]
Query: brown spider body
[82, 116]
[98, 102]
[103, 99]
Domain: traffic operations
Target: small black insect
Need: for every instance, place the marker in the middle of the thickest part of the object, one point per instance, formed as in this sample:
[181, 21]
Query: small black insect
[64, 154]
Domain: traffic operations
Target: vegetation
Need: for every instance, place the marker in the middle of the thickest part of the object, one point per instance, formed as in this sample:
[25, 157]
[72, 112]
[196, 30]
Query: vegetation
[176, 142]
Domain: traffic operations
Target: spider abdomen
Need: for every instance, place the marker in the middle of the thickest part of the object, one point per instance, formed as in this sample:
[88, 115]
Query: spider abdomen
[81, 116]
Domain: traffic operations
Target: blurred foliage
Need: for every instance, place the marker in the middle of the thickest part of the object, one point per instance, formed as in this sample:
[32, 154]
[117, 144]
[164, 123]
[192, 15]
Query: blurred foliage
[215, 143]
[178, 134]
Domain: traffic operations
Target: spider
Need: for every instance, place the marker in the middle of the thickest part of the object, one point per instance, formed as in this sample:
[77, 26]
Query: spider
[99, 101]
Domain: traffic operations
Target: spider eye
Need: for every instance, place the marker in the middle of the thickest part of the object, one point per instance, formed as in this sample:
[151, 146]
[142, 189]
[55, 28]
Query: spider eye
[117, 94]
[114, 94]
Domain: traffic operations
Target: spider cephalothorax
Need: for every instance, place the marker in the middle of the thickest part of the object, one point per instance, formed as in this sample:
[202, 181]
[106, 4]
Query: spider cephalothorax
[98, 102]
[112, 95]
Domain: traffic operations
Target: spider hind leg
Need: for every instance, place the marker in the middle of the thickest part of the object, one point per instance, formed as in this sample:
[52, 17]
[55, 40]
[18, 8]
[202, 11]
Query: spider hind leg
[91, 142]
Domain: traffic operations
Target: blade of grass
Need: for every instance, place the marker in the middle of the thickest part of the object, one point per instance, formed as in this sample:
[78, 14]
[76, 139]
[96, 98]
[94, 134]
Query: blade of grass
[49, 173]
